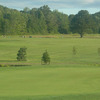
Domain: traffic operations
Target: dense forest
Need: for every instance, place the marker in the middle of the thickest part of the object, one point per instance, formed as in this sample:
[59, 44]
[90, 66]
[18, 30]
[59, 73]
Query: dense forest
[45, 21]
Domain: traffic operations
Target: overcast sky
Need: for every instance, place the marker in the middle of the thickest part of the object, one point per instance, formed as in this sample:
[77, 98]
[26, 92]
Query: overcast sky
[65, 6]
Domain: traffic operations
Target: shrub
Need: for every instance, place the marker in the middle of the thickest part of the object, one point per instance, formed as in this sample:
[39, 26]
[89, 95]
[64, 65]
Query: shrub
[45, 58]
[2, 65]
[21, 55]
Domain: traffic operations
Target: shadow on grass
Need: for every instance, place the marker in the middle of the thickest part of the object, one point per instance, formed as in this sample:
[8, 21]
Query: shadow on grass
[13, 63]
[1, 61]
[67, 97]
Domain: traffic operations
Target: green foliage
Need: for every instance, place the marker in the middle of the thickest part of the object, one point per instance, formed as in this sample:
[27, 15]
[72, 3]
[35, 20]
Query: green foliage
[3, 65]
[26, 10]
[96, 19]
[21, 55]
[44, 21]
[62, 22]
[45, 58]
[81, 22]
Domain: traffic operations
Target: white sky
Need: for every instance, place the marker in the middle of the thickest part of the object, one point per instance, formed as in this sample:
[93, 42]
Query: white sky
[66, 6]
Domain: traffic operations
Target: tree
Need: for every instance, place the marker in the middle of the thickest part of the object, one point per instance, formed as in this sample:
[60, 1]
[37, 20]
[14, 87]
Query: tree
[21, 55]
[26, 9]
[62, 22]
[45, 21]
[50, 19]
[45, 58]
[96, 17]
[81, 22]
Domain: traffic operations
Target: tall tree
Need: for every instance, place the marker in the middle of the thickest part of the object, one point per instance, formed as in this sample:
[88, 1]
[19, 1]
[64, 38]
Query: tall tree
[96, 18]
[81, 22]
[62, 22]
[50, 19]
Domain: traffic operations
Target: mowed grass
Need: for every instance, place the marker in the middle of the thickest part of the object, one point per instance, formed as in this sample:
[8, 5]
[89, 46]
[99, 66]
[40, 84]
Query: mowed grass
[60, 49]
[49, 83]
[68, 77]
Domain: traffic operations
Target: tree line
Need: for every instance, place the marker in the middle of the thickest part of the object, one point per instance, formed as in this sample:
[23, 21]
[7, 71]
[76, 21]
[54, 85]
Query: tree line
[45, 21]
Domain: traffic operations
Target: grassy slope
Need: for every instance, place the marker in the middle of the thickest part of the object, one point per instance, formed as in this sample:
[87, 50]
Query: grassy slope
[76, 77]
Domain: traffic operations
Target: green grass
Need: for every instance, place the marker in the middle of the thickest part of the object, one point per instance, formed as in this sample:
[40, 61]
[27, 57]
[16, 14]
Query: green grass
[60, 50]
[39, 83]
[68, 77]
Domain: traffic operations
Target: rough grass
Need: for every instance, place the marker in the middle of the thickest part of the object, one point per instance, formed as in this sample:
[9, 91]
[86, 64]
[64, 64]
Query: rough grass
[68, 77]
